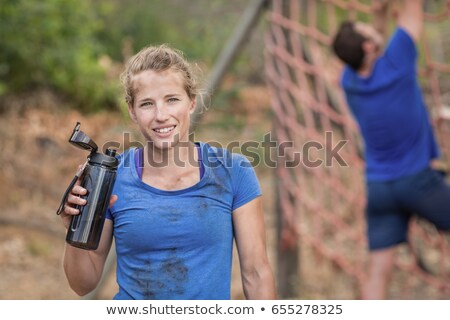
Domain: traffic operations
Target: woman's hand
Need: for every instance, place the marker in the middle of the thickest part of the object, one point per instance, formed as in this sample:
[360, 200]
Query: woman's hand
[74, 199]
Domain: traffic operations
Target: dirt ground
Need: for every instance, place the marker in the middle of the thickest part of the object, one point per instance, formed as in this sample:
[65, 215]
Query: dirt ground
[38, 163]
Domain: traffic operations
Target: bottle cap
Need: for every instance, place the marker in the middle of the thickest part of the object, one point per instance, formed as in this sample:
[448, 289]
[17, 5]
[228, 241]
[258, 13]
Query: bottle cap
[81, 140]
[108, 159]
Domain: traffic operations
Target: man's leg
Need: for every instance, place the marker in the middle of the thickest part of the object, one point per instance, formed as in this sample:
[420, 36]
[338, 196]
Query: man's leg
[380, 270]
[387, 227]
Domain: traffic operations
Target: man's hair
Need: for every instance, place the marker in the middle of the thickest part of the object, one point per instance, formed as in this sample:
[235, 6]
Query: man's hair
[347, 45]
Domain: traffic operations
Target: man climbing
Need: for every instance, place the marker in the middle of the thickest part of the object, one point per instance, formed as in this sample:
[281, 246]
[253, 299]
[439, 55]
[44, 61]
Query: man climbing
[383, 93]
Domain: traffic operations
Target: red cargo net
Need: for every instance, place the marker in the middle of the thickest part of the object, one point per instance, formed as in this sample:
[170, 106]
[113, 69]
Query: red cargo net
[322, 206]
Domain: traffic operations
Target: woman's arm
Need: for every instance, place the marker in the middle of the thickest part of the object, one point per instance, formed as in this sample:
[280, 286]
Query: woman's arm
[257, 277]
[84, 268]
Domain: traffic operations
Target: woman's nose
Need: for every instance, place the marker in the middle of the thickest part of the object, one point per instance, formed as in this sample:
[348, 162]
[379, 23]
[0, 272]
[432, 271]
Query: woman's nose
[161, 113]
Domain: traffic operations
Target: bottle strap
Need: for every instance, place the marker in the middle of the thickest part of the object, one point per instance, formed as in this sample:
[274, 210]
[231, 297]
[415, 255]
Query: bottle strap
[69, 188]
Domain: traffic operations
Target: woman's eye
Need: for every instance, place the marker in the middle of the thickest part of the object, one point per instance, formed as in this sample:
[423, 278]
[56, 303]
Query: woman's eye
[146, 104]
[173, 99]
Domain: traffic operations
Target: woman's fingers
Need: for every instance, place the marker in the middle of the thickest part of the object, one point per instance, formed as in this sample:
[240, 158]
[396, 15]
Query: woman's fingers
[112, 200]
[79, 190]
[76, 200]
[68, 210]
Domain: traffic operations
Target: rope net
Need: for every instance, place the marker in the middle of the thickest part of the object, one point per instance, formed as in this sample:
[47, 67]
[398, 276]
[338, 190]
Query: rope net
[322, 206]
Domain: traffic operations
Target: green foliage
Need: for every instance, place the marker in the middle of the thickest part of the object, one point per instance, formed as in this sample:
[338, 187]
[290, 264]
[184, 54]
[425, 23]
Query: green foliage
[198, 28]
[141, 22]
[59, 44]
[52, 43]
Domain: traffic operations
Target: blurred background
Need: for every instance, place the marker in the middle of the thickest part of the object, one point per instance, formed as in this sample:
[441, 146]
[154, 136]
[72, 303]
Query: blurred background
[60, 62]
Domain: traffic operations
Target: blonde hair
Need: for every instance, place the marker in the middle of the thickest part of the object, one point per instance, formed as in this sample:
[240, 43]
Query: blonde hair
[158, 58]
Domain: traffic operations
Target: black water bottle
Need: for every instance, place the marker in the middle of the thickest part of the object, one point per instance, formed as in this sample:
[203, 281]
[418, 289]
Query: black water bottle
[97, 177]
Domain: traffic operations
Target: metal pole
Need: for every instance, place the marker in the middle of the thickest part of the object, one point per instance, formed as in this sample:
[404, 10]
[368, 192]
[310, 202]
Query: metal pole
[243, 30]
[288, 258]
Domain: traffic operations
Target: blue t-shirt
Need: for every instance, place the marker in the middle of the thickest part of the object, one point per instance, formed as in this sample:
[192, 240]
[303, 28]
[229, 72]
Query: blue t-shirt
[178, 244]
[389, 108]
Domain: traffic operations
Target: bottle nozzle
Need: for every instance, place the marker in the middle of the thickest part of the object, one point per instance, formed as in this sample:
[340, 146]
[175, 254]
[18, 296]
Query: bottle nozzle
[110, 152]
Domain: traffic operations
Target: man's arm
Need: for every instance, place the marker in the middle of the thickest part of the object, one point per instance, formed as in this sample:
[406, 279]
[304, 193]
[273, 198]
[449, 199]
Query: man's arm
[410, 17]
[380, 15]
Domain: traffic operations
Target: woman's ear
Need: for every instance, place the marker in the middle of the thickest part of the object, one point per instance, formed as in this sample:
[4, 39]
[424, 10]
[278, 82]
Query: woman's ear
[132, 113]
[193, 105]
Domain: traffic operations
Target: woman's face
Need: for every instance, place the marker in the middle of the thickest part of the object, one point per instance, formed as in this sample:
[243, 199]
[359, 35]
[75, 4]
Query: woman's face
[161, 107]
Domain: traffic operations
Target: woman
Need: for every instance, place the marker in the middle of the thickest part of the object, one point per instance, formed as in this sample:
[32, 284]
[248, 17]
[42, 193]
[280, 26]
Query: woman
[177, 205]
